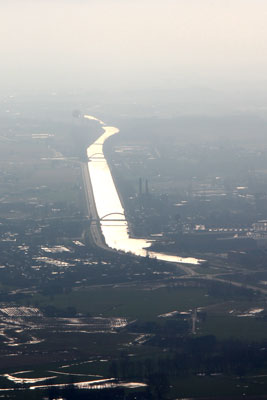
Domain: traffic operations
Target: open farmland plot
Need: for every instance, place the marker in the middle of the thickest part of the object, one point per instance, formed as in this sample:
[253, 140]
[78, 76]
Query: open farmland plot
[144, 302]
[38, 339]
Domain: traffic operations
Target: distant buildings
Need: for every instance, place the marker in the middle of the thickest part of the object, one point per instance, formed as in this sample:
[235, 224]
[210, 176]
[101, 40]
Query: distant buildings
[260, 226]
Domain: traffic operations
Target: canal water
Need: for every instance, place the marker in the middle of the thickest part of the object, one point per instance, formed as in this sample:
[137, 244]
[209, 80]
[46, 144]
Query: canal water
[109, 208]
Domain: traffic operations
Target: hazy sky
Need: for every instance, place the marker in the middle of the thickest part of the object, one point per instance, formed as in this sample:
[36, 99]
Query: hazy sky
[131, 43]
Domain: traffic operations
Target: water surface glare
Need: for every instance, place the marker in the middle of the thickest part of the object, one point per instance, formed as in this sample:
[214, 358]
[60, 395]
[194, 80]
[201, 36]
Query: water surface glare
[108, 205]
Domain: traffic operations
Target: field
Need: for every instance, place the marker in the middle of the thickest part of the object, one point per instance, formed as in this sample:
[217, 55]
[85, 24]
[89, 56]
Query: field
[142, 303]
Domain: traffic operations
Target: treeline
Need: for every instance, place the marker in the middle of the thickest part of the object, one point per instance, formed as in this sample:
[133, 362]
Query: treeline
[205, 355]
[71, 393]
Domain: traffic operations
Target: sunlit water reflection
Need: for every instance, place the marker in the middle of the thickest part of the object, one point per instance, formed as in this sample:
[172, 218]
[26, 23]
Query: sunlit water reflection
[110, 211]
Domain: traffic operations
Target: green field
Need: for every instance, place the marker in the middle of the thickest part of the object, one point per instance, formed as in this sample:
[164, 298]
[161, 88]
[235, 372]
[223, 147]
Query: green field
[129, 302]
[244, 328]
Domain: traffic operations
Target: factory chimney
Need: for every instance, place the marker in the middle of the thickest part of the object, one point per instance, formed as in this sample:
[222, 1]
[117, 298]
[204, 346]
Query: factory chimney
[140, 187]
[147, 191]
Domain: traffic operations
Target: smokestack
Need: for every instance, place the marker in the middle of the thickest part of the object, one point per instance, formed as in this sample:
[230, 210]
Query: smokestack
[140, 187]
[147, 186]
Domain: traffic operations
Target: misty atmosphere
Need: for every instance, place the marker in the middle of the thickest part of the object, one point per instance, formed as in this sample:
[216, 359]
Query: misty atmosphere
[133, 199]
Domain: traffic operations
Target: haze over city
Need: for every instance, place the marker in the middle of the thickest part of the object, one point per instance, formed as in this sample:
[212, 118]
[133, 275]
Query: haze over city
[133, 199]
[210, 49]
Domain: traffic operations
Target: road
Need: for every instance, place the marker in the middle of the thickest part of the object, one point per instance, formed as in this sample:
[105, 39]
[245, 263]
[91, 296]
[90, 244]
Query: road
[191, 273]
[188, 270]
[233, 283]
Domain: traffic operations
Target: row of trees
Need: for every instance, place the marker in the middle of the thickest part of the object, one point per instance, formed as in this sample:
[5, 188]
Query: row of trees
[192, 356]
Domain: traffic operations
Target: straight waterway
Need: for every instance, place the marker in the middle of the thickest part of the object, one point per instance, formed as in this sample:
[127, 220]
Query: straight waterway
[108, 205]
